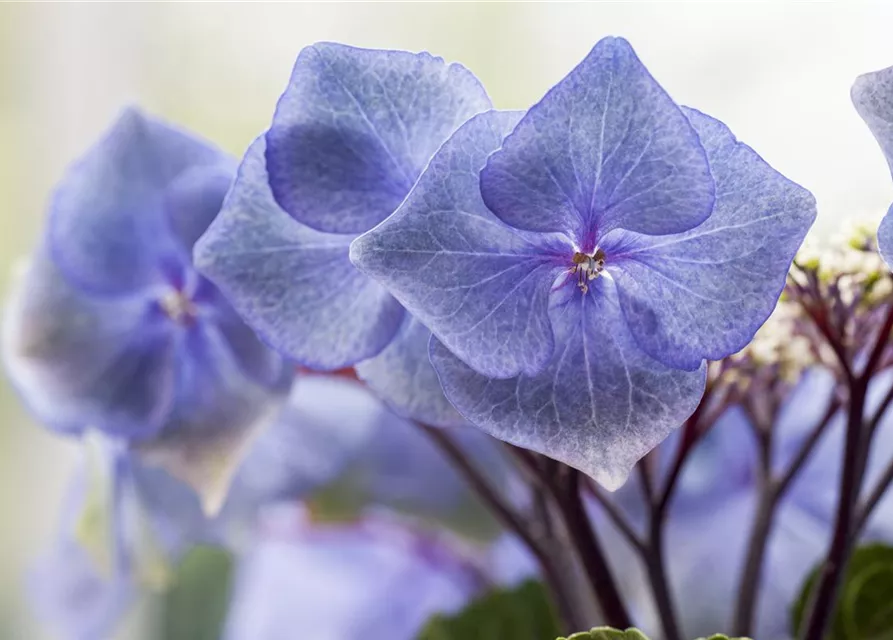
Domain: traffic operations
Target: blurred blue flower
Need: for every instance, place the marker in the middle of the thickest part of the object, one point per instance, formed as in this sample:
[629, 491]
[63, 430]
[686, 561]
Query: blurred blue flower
[872, 95]
[110, 326]
[578, 263]
[351, 134]
[375, 578]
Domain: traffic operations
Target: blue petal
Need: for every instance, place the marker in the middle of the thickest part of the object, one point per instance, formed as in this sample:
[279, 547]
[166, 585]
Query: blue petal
[217, 411]
[343, 582]
[193, 200]
[403, 377]
[703, 294]
[107, 228]
[355, 128]
[872, 94]
[479, 285]
[293, 285]
[327, 422]
[600, 404]
[885, 237]
[606, 148]
[83, 361]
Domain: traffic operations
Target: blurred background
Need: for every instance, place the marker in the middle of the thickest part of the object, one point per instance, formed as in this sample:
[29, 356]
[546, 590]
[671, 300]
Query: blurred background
[778, 74]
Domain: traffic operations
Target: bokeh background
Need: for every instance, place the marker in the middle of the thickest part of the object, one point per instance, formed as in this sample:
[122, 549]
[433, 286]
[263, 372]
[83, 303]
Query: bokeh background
[778, 74]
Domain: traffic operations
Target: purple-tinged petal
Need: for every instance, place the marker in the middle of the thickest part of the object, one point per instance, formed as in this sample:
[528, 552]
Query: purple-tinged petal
[872, 95]
[885, 237]
[479, 285]
[82, 361]
[702, 294]
[355, 128]
[107, 228]
[605, 148]
[403, 377]
[327, 422]
[295, 286]
[217, 412]
[600, 404]
[193, 200]
[69, 595]
[343, 582]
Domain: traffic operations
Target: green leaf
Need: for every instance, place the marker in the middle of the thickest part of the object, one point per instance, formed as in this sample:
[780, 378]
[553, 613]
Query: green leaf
[524, 613]
[195, 606]
[864, 610]
[608, 633]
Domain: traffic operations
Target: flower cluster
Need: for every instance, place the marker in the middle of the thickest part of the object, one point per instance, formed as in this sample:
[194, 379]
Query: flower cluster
[312, 356]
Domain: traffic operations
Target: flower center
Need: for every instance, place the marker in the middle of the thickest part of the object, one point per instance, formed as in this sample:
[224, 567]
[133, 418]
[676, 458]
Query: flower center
[178, 307]
[587, 267]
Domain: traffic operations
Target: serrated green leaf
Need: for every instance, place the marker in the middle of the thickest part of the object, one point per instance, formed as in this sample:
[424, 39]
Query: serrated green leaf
[524, 613]
[195, 606]
[608, 633]
[864, 609]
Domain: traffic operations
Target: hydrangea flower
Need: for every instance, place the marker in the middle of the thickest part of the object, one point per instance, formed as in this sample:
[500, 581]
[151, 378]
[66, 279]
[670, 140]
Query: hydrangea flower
[373, 579]
[351, 134]
[579, 262]
[872, 95]
[110, 326]
[713, 507]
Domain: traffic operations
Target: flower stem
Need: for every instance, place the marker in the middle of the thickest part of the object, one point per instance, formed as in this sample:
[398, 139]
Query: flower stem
[571, 618]
[587, 544]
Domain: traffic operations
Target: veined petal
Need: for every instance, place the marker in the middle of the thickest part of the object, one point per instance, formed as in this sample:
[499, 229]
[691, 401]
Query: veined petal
[605, 148]
[217, 413]
[703, 294]
[295, 286]
[599, 405]
[479, 285]
[403, 377]
[355, 128]
[84, 361]
[872, 95]
[107, 228]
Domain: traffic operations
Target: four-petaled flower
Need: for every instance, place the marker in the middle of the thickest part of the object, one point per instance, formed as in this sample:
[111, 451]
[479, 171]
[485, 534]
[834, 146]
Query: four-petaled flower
[350, 136]
[578, 263]
[111, 328]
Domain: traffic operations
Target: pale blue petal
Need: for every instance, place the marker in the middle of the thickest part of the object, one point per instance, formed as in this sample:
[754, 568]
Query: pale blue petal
[293, 285]
[403, 377]
[82, 361]
[327, 422]
[107, 228]
[605, 148]
[872, 94]
[355, 128]
[601, 403]
[334, 583]
[479, 285]
[217, 412]
[703, 294]
[193, 200]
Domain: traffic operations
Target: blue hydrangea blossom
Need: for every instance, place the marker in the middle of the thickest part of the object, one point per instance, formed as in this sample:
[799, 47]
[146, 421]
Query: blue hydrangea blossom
[110, 327]
[350, 136]
[872, 95]
[578, 263]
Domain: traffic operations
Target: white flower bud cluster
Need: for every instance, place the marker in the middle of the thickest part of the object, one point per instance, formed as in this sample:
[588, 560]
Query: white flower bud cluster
[850, 271]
